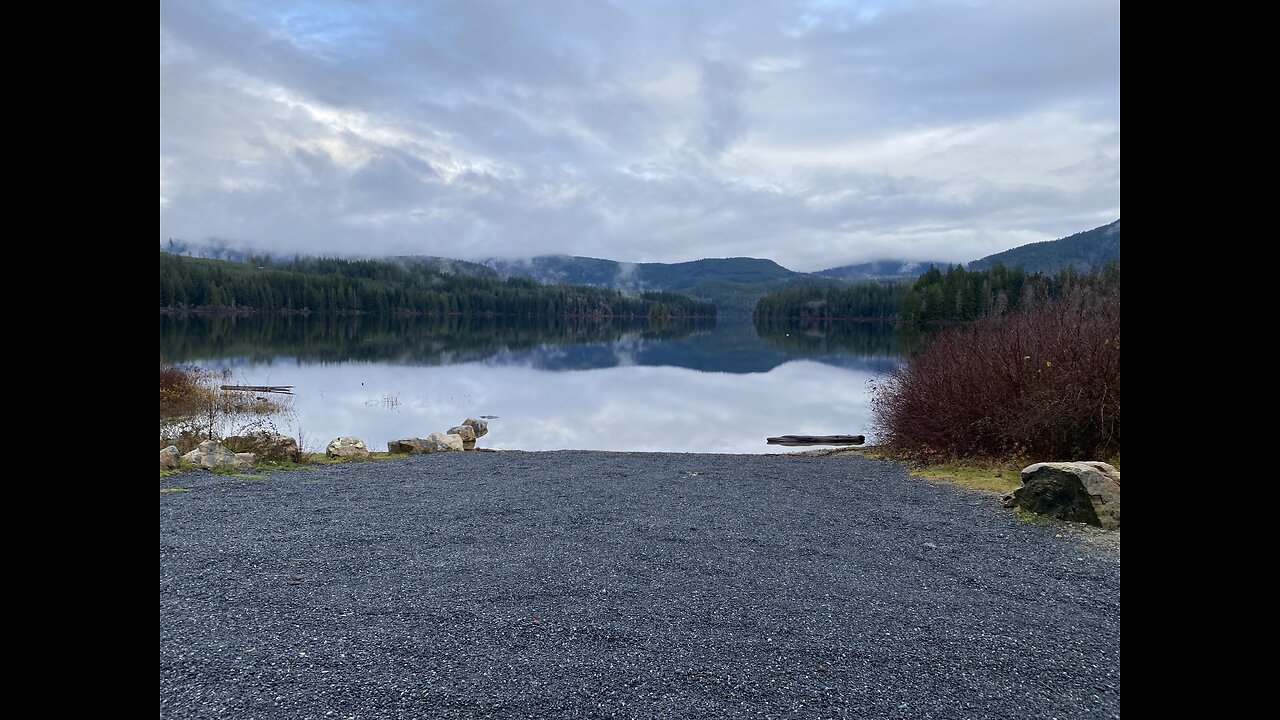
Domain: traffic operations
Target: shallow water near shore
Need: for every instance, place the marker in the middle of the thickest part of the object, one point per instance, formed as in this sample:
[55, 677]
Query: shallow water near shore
[590, 385]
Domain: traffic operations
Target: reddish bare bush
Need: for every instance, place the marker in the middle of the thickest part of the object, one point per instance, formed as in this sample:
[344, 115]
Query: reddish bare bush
[1042, 383]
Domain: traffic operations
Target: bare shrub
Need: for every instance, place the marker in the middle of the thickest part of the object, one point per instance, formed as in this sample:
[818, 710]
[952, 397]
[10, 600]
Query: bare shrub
[1042, 383]
[183, 391]
[194, 407]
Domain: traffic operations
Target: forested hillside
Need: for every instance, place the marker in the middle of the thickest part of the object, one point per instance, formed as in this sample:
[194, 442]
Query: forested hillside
[937, 295]
[442, 286]
[1082, 251]
[327, 285]
[733, 284]
[959, 294]
[877, 270]
[870, 300]
[647, 276]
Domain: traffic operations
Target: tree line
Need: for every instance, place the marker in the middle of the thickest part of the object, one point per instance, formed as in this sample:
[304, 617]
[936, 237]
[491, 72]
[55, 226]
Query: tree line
[337, 286]
[955, 294]
[960, 294]
[869, 300]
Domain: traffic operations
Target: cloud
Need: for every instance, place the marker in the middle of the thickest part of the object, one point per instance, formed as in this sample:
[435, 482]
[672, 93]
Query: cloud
[813, 133]
[723, 86]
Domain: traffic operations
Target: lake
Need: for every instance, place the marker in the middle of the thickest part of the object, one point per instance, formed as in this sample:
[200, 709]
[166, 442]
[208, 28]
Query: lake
[553, 384]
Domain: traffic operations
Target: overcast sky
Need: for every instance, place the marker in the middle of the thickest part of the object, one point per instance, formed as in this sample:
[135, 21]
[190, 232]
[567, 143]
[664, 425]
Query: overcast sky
[813, 133]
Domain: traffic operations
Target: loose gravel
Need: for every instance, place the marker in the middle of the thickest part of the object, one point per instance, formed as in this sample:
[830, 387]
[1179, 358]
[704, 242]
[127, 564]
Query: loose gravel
[612, 585]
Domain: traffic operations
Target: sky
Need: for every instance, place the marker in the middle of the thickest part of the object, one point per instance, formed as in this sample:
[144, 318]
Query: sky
[815, 133]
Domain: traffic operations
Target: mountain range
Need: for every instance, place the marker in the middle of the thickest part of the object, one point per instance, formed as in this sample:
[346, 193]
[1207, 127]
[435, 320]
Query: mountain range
[879, 269]
[1084, 250]
[735, 284]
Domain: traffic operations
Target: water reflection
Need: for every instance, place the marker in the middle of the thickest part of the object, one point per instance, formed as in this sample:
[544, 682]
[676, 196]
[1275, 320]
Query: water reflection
[554, 385]
[546, 344]
[864, 339]
[389, 339]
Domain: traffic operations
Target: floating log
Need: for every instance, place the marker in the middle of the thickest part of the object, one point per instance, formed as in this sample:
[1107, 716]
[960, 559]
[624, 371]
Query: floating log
[817, 440]
[282, 389]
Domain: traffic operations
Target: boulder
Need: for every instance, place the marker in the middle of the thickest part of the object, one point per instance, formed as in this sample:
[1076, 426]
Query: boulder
[267, 445]
[346, 447]
[468, 435]
[1086, 492]
[1108, 470]
[169, 458]
[443, 442]
[480, 426]
[210, 454]
[412, 446]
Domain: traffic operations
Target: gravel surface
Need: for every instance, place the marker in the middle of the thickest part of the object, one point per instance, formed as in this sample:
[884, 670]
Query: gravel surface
[597, 585]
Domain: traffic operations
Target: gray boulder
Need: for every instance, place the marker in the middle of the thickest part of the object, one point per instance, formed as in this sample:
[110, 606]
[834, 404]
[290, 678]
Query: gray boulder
[443, 442]
[169, 458]
[480, 426]
[412, 446]
[1108, 470]
[210, 454]
[1086, 492]
[346, 447]
[468, 435]
[267, 445]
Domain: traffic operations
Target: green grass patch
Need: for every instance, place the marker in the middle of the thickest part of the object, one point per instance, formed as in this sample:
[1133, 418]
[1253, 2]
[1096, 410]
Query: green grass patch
[1031, 518]
[996, 476]
[322, 459]
[226, 471]
[986, 478]
[267, 467]
[992, 476]
[262, 469]
[183, 467]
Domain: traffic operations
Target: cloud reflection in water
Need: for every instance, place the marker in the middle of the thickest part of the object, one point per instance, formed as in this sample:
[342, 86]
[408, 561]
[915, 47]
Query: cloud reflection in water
[625, 408]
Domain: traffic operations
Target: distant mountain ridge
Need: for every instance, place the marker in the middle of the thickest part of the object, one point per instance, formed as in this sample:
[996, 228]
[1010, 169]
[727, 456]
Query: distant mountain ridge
[446, 265]
[1084, 250]
[736, 283]
[647, 276]
[878, 269]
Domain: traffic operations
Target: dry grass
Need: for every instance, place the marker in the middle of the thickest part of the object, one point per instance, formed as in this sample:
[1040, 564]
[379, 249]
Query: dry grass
[194, 408]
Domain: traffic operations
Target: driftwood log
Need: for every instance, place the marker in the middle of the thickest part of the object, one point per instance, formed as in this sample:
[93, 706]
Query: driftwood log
[282, 389]
[817, 440]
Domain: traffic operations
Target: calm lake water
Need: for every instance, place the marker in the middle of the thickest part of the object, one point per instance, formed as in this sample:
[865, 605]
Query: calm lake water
[713, 387]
